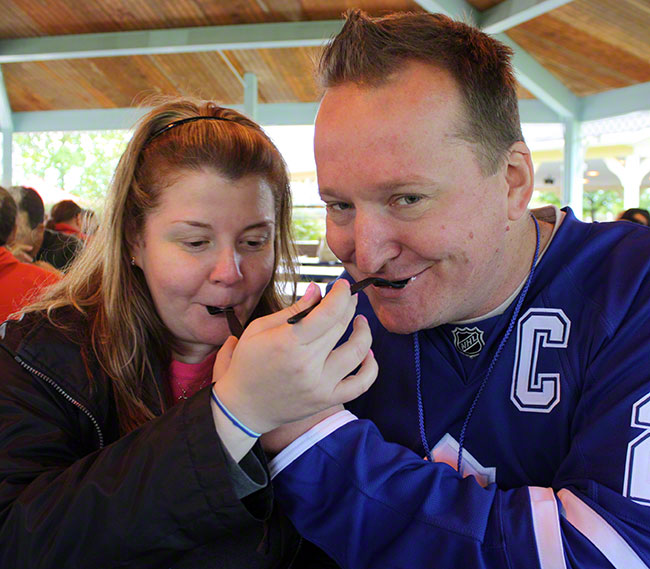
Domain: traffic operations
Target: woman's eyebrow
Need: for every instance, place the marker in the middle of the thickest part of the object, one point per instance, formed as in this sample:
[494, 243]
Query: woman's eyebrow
[193, 223]
[261, 224]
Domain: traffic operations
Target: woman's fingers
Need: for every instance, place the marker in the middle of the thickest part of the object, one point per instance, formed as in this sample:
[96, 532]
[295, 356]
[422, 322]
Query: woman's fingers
[330, 318]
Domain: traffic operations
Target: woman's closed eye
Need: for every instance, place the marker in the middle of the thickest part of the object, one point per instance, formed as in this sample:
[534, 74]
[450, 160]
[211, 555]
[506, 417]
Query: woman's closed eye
[195, 244]
[255, 242]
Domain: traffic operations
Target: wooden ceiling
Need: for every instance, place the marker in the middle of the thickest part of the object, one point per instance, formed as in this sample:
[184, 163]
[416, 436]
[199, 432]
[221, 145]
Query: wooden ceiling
[588, 46]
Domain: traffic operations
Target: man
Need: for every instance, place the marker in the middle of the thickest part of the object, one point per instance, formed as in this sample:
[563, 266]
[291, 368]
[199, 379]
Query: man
[515, 361]
[49, 249]
[19, 282]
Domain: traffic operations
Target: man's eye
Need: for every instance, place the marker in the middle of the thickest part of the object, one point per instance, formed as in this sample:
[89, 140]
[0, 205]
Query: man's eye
[338, 206]
[195, 244]
[408, 200]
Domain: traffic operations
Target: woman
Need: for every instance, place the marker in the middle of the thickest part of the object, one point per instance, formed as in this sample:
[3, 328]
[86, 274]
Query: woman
[66, 217]
[115, 447]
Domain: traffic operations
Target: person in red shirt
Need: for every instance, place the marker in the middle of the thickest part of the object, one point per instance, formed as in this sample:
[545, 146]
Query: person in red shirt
[67, 217]
[19, 282]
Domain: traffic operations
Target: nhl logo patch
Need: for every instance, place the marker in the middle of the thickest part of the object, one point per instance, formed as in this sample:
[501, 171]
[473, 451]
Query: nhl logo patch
[468, 341]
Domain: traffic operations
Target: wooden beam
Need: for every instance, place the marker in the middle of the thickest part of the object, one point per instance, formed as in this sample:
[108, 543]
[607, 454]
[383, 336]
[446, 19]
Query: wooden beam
[511, 13]
[110, 119]
[179, 40]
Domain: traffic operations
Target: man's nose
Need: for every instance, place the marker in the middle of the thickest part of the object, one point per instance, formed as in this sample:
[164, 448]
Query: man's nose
[374, 244]
[227, 267]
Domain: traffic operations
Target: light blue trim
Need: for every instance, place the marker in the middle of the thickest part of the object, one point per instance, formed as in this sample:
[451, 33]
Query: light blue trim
[110, 119]
[511, 13]
[617, 102]
[250, 95]
[179, 40]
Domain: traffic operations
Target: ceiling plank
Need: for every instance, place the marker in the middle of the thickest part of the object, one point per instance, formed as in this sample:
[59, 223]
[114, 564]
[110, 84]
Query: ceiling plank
[180, 40]
[511, 13]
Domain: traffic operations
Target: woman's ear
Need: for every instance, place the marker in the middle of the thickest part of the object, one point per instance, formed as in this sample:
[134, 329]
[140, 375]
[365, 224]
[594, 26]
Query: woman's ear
[136, 253]
[520, 179]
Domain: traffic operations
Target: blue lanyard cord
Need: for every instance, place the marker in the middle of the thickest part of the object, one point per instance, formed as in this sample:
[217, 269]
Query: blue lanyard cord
[511, 325]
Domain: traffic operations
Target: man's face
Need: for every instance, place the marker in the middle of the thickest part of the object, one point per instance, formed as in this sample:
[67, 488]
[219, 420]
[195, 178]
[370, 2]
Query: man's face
[406, 198]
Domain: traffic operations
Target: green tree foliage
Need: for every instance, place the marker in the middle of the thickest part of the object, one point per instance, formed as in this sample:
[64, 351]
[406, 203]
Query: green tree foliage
[546, 197]
[598, 203]
[644, 200]
[80, 163]
[308, 223]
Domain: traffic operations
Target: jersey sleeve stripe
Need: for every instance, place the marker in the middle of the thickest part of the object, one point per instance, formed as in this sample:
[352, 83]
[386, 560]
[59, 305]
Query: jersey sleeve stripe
[589, 523]
[307, 440]
[546, 525]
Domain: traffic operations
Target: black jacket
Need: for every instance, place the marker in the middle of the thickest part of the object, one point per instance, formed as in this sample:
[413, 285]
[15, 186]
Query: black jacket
[59, 249]
[74, 494]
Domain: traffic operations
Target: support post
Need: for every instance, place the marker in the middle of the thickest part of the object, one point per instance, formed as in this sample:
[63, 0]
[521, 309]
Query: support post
[572, 186]
[7, 128]
[250, 95]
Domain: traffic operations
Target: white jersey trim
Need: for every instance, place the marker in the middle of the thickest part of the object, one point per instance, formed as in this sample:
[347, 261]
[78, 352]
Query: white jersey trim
[308, 439]
[546, 525]
[592, 525]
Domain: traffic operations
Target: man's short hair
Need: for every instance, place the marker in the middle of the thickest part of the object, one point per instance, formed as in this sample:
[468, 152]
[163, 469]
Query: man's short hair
[29, 201]
[369, 51]
[8, 212]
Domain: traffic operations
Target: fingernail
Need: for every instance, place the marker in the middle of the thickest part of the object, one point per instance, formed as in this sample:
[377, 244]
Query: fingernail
[311, 290]
[371, 352]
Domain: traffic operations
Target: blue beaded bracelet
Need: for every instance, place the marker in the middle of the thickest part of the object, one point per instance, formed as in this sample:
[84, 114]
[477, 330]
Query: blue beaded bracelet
[234, 420]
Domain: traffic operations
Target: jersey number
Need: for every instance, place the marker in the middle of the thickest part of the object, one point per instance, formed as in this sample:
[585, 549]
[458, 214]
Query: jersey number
[637, 464]
[538, 328]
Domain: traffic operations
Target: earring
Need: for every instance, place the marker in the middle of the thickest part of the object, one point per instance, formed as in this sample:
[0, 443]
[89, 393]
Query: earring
[133, 261]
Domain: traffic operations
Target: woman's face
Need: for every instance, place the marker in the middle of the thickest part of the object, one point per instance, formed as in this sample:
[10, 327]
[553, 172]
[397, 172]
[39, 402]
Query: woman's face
[210, 242]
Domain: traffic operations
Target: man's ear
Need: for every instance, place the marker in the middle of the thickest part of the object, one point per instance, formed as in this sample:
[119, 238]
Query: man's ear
[520, 179]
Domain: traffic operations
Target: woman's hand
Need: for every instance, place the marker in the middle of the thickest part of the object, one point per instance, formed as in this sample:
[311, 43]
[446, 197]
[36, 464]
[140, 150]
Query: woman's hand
[279, 373]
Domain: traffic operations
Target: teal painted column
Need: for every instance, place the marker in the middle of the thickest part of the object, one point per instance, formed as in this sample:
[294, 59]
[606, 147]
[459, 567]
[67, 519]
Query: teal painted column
[7, 128]
[572, 184]
[250, 95]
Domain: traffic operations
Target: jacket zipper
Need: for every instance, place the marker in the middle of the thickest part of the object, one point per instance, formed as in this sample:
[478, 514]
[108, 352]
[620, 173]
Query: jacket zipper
[66, 395]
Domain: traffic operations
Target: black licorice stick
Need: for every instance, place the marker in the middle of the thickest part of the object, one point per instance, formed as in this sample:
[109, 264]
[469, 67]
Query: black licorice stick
[354, 289]
[236, 329]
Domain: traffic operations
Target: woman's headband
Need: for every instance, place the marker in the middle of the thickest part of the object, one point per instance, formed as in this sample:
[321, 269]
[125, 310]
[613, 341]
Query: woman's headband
[183, 121]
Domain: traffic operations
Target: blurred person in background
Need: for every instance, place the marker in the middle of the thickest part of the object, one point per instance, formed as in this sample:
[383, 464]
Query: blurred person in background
[636, 215]
[67, 217]
[19, 282]
[51, 250]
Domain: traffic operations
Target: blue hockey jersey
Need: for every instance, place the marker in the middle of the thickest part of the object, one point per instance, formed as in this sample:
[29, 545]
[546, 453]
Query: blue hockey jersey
[556, 457]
